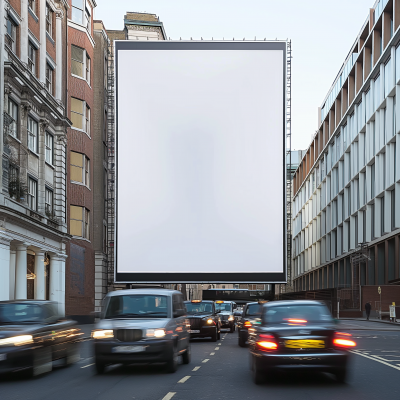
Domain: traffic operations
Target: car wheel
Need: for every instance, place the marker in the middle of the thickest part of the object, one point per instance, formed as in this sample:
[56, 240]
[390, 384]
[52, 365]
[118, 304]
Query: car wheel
[172, 363]
[341, 374]
[186, 355]
[241, 341]
[100, 367]
[214, 336]
[258, 376]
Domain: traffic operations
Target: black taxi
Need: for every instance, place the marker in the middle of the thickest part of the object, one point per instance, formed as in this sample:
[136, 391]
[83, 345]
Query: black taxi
[203, 318]
[250, 316]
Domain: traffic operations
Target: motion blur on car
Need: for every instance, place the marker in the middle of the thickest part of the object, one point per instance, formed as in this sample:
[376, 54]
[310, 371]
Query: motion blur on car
[225, 309]
[250, 316]
[142, 326]
[33, 335]
[204, 320]
[298, 334]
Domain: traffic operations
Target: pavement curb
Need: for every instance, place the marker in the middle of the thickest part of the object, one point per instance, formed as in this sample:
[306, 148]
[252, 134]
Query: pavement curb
[378, 320]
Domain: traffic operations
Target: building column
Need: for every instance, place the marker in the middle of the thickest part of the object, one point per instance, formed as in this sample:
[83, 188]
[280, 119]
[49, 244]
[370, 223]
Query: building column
[12, 274]
[42, 165]
[59, 49]
[4, 268]
[42, 21]
[60, 156]
[57, 281]
[21, 286]
[24, 31]
[40, 281]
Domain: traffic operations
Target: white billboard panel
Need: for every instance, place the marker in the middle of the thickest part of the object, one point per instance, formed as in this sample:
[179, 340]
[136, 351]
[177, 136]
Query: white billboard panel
[200, 162]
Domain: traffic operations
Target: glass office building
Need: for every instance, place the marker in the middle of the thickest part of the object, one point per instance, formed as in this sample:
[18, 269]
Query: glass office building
[347, 185]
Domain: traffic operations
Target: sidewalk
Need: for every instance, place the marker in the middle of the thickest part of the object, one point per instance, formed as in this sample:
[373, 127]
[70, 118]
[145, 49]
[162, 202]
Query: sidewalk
[371, 320]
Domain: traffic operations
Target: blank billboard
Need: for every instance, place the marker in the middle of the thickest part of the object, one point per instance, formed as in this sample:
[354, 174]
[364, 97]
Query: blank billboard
[200, 161]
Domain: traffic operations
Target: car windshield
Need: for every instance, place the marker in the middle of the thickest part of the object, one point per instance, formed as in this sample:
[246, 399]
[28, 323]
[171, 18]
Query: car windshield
[18, 313]
[296, 314]
[137, 306]
[223, 306]
[253, 309]
[197, 308]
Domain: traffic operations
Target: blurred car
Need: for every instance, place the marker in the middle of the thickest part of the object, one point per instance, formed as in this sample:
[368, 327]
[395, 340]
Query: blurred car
[298, 334]
[33, 335]
[225, 309]
[203, 319]
[250, 315]
[142, 326]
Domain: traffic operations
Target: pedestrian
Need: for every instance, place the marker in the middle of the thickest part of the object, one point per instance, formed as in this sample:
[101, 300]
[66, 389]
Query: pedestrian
[368, 309]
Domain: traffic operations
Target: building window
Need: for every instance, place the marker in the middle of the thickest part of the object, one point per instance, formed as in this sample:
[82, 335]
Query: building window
[393, 207]
[49, 143]
[372, 221]
[77, 11]
[49, 203]
[79, 222]
[88, 20]
[32, 194]
[80, 168]
[49, 78]
[11, 36]
[13, 113]
[32, 134]
[49, 20]
[80, 115]
[382, 215]
[32, 58]
[32, 5]
[87, 69]
[87, 120]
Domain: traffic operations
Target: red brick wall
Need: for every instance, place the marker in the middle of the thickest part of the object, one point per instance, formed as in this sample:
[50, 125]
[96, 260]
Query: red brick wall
[16, 5]
[390, 293]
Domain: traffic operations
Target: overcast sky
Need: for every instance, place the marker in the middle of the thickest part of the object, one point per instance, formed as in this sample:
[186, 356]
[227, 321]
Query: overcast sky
[322, 33]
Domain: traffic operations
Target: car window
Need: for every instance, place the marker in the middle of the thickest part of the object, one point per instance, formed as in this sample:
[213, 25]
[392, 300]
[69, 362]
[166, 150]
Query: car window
[296, 314]
[137, 306]
[20, 313]
[223, 306]
[198, 308]
[253, 310]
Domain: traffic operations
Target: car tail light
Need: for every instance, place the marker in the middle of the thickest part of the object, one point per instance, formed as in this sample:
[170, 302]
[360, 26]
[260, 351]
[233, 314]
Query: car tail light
[295, 321]
[342, 340]
[247, 324]
[267, 342]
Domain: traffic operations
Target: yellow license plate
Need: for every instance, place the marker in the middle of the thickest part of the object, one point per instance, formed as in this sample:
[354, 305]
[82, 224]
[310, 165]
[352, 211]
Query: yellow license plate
[305, 344]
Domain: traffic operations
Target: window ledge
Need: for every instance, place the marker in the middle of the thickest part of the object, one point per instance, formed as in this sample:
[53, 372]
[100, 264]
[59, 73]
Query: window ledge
[50, 38]
[81, 130]
[50, 165]
[81, 184]
[81, 78]
[34, 153]
[15, 138]
[33, 14]
[81, 238]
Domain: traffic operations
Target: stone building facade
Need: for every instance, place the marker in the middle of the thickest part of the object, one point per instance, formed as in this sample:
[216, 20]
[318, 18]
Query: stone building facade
[33, 127]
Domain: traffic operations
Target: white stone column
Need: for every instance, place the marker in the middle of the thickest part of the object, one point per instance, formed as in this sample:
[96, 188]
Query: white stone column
[24, 31]
[42, 165]
[12, 274]
[42, 21]
[57, 281]
[4, 267]
[59, 49]
[40, 281]
[21, 286]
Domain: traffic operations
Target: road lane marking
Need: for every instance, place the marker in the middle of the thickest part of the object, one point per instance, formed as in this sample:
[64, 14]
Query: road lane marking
[85, 366]
[196, 368]
[207, 359]
[212, 354]
[217, 348]
[219, 344]
[184, 379]
[169, 396]
[374, 359]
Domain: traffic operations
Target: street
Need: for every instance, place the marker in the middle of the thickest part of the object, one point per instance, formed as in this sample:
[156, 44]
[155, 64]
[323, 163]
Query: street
[220, 371]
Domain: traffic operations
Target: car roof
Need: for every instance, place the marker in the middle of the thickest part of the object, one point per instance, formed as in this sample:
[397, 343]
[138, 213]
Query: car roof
[32, 301]
[293, 302]
[225, 301]
[199, 301]
[163, 292]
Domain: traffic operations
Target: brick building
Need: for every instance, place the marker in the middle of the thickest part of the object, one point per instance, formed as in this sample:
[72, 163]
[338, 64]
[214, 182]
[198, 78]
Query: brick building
[33, 127]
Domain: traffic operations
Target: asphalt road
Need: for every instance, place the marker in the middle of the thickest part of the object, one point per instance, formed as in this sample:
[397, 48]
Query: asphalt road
[220, 371]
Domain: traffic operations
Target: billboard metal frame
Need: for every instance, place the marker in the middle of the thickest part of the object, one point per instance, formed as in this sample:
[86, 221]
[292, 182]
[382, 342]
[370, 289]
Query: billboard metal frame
[198, 277]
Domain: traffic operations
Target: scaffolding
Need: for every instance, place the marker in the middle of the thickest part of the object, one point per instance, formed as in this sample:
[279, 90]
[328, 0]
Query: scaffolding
[111, 167]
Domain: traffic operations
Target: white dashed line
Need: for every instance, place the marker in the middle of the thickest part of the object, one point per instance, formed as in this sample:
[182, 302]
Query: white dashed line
[196, 368]
[169, 396]
[207, 359]
[183, 380]
[212, 354]
[87, 365]
[219, 344]
[217, 348]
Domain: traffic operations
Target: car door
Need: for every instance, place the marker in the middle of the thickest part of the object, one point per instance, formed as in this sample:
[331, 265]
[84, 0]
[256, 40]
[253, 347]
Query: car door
[178, 315]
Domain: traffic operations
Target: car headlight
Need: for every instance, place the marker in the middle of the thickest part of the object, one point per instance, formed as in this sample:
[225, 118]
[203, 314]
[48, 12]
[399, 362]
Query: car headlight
[17, 340]
[231, 318]
[103, 334]
[210, 321]
[155, 333]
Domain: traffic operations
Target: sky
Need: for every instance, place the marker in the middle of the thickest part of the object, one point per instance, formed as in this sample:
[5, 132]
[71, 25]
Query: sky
[322, 34]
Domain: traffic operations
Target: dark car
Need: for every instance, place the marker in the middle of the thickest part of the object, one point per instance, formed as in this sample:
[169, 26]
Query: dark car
[298, 334]
[203, 318]
[142, 326]
[250, 315]
[33, 335]
[225, 309]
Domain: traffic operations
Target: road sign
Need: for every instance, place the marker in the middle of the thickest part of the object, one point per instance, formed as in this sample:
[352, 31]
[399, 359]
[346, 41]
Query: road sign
[392, 310]
[379, 290]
